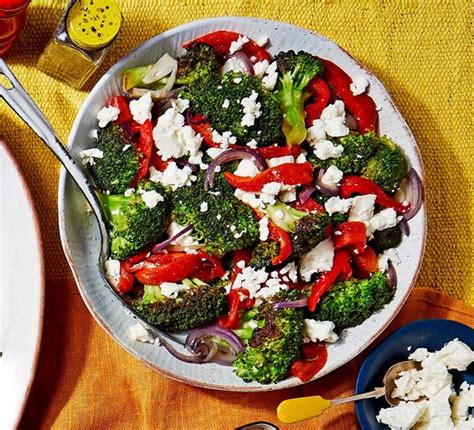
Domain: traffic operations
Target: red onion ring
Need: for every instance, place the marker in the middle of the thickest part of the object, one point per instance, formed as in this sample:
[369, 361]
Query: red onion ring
[197, 336]
[305, 193]
[392, 275]
[231, 155]
[300, 303]
[127, 129]
[203, 355]
[160, 246]
[329, 191]
[244, 59]
[404, 227]
[417, 189]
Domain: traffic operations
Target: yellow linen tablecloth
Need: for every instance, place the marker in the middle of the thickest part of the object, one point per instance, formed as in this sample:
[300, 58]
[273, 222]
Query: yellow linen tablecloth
[422, 52]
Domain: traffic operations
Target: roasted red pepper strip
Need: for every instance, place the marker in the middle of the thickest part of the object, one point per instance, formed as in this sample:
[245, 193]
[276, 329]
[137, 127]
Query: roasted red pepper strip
[287, 174]
[327, 279]
[320, 95]
[122, 104]
[174, 267]
[144, 146]
[358, 185]
[157, 162]
[283, 239]
[209, 269]
[221, 40]
[313, 359]
[308, 206]
[278, 151]
[232, 319]
[366, 262]
[350, 233]
[361, 107]
[205, 130]
[125, 283]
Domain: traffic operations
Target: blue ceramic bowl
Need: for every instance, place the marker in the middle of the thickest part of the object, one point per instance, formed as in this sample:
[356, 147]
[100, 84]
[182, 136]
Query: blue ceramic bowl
[432, 334]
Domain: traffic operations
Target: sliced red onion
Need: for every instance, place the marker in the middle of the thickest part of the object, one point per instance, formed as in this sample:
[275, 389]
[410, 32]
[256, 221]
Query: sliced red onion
[392, 275]
[203, 355]
[325, 189]
[245, 64]
[417, 191]
[305, 193]
[127, 129]
[231, 155]
[351, 122]
[199, 335]
[160, 246]
[301, 303]
[191, 118]
[182, 162]
[404, 227]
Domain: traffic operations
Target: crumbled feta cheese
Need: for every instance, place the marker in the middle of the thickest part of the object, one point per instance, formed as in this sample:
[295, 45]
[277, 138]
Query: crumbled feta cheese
[250, 279]
[337, 205]
[291, 271]
[262, 41]
[402, 417]
[263, 228]
[141, 108]
[107, 114]
[462, 402]
[272, 188]
[301, 158]
[362, 208]
[246, 168]
[237, 80]
[277, 161]
[386, 218]
[359, 85]
[224, 140]
[252, 144]
[128, 192]
[180, 104]
[214, 152]
[250, 199]
[138, 332]
[151, 198]
[236, 45]
[125, 147]
[203, 207]
[173, 176]
[316, 132]
[319, 331]
[233, 64]
[325, 149]
[271, 76]
[270, 290]
[226, 103]
[332, 176]
[334, 117]
[173, 138]
[388, 255]
[88, 155]
[319, 259]
[171, 290]
[261, 67]
[112, 271]
[251, 109]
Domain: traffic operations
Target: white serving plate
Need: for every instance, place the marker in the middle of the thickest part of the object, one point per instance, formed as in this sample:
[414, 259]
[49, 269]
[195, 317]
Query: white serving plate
[80, 236]
[21, 291]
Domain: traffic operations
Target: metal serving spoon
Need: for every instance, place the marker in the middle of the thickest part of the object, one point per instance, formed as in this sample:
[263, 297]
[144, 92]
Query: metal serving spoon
[26, 109]
[303, 408]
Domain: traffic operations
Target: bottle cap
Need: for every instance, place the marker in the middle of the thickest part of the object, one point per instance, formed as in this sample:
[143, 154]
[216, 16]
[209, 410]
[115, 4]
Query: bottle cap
[93, 24]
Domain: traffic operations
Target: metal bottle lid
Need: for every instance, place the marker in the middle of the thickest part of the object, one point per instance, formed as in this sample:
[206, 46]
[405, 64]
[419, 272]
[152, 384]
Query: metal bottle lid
[93, 24]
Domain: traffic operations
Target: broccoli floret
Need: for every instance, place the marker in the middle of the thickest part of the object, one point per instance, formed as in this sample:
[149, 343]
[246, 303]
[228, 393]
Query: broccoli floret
[386, 239]
[339, 218]
[133, 225]
[263, 254]
[310, 230]
[296, 70]
[209, 98]
[272, 348]
[117, 169]
[387, 167]
[285, 216]
[358, 148]
[198, 63]
[225, 226]
[351, 302]
[199, 305]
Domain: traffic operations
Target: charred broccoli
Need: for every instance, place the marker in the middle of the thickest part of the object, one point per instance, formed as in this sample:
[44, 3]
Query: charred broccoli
[386, 239]
[133, 224]
[296, 71]
[115, 171]
[273, 346]
[351, 302]
[387, 167]
[263, 254]
[200, 304]
[226, 224]
[222, 101]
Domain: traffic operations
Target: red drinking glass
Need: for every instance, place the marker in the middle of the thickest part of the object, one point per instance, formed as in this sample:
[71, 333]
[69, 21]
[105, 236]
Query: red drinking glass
[12, 18]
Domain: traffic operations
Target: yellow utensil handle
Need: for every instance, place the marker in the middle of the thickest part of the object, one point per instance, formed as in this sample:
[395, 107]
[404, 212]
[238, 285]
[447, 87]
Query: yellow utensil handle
[294, 410]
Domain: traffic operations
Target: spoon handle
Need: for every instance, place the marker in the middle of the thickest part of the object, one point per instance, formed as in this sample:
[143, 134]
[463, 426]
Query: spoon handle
[378, 392]
[19, 100]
